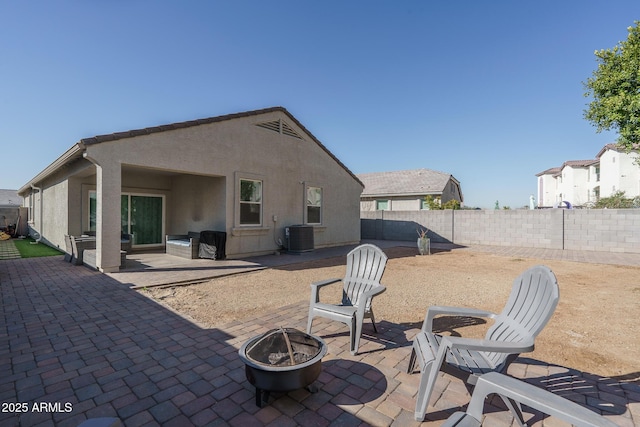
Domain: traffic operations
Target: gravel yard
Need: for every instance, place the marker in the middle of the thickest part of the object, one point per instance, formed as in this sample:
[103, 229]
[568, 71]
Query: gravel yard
[594, 328]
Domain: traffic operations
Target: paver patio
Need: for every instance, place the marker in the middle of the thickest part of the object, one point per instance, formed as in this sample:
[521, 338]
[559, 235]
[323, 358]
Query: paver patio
[70, 335]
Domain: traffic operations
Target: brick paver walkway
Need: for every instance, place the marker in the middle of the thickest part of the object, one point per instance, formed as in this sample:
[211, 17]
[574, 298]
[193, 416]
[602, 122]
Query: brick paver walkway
[87, 345]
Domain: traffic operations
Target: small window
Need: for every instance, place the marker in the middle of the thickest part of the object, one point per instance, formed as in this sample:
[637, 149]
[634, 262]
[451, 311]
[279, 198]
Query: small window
[314, 205]
[250, 202]
[382, 205]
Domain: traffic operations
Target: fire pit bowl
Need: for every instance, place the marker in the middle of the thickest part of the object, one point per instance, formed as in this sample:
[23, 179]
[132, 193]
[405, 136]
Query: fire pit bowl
[283, 359]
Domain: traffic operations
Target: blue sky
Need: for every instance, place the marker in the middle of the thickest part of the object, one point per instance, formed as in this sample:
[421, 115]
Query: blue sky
[489, 91]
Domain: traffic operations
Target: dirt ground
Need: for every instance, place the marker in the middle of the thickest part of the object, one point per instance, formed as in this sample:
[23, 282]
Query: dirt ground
[594, 328]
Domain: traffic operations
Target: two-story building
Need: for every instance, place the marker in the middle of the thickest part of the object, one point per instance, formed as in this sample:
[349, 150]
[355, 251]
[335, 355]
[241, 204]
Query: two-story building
[583, 182]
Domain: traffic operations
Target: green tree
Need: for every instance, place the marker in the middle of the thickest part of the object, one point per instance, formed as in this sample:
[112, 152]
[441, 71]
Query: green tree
[615, 89]
[616, 201]
[452, 204]
[435, 203]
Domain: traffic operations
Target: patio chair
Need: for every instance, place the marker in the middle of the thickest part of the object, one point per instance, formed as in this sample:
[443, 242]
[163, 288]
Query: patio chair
[365, 265]
[516, 392]
[532, 301]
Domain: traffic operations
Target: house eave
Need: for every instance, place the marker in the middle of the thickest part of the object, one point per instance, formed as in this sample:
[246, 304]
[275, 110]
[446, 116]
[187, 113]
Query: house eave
[72, 154]
[78, 149]
[412, 194]
[181, 125]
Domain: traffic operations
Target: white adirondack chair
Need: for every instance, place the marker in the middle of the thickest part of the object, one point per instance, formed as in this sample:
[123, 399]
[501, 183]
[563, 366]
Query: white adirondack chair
[513, 391]
[532, 301]
[365, 265]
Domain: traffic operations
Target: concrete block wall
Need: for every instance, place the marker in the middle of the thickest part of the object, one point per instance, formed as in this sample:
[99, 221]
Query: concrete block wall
[403, 225]
[611, 230]
[522, 228]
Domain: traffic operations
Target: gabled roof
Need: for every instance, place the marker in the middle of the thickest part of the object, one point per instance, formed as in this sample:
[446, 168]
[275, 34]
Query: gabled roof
[408, 182]
[76, 151]
[583, 163]
[579, 163]
[571, 163]
[612, 147]
[551, 171]
[181, 125]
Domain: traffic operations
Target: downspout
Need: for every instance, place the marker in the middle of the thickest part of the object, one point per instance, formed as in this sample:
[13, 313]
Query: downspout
[33, 187]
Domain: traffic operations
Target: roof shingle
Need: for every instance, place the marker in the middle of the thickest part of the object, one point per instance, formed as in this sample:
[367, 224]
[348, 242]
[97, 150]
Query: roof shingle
[407, 182]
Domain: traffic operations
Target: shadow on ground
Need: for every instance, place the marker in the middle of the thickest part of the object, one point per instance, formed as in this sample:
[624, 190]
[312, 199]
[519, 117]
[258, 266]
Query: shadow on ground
[73, 335]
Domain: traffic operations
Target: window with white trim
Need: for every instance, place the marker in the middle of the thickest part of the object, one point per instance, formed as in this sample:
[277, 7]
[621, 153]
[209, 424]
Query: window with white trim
[314, 205]
[250, 202]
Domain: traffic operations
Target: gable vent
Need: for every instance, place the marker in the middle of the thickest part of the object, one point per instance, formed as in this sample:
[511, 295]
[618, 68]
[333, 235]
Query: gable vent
[281, 127]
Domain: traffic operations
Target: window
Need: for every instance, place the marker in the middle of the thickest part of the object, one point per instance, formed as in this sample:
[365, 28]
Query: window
[382, 205]
[314, 205]
[250, 202]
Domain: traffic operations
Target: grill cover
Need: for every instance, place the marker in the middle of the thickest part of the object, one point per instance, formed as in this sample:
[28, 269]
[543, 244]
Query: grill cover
[215, 239]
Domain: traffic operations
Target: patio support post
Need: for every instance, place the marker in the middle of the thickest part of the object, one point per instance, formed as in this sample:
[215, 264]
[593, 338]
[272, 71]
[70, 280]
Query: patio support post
[108, 221]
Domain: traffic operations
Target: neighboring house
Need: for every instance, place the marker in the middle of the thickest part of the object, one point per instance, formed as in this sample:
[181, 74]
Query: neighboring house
[10, 203]
[249, 174]
[406, 190]
[618, 172]
[571, 183]
[548, 186]
[582, 182]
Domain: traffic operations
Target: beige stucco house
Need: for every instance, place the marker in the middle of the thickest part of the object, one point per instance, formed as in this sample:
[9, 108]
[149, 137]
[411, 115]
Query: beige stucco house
[406, 190]
[249, 174]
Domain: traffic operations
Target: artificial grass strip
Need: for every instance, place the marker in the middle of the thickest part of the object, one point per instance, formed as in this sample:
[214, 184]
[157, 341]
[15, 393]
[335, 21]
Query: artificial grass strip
[28, 249]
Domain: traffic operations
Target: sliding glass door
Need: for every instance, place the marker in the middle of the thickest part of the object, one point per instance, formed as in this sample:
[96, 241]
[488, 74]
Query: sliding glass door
[141, 215]
[145, 218]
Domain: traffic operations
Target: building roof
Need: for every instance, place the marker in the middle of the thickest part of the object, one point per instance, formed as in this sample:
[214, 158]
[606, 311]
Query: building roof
[76, 151]
[181, 125]
[579, 163]
[582, 163]
[550, 171]
[407, 182]
[612, 146]
[10, 198]
[572, 163]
